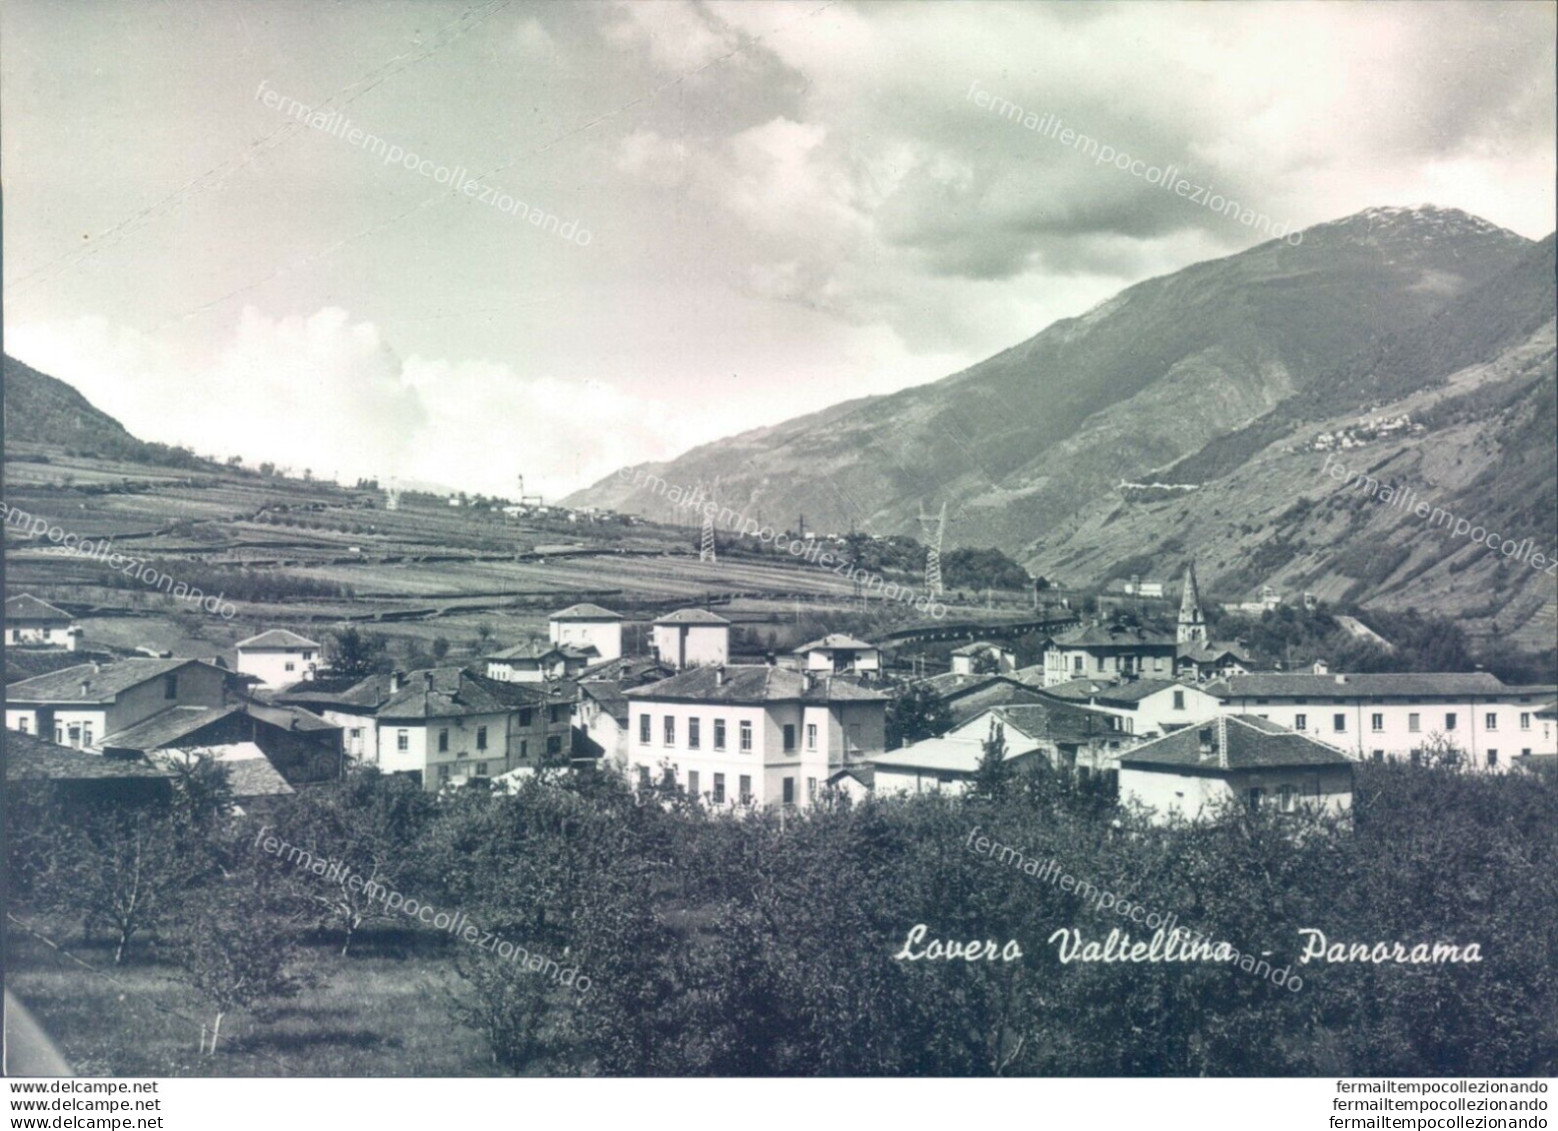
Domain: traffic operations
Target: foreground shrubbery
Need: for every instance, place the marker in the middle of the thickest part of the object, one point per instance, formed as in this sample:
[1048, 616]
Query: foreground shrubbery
[766, 945]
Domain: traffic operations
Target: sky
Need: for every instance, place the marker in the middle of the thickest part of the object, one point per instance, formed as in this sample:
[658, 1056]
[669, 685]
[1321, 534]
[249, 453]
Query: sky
[677, 220]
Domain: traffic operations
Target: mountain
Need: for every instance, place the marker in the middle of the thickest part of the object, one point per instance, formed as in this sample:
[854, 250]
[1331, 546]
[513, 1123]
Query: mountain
[1211, 364]
[40, 409]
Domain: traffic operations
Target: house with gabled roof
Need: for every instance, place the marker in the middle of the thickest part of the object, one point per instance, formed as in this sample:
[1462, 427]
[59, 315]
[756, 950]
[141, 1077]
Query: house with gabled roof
[754, 734]
[966, 696]
[1150, 707]
[78, 705]
[839, 652]
[690, 638]
[1247, 760]
[76, 777]
[34, 623]
[533, 662]
[983, 656]
[279, 657]
[447, 725]
[588, 626]
[1109, 652]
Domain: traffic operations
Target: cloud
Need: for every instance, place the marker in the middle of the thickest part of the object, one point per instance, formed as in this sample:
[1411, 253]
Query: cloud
[326, 393]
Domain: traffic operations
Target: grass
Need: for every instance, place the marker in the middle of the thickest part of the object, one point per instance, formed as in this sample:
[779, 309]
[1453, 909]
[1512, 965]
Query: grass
[379, 1012]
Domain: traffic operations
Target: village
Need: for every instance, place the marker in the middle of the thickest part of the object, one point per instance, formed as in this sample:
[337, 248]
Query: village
[1174, 721]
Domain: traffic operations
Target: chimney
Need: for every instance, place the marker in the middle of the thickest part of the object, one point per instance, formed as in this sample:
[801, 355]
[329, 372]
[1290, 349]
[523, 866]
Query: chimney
[86, 685]
[1322, 668]
[719, 675]
[397, 681]
[427, 681]
[1340, 678]
[808, 680]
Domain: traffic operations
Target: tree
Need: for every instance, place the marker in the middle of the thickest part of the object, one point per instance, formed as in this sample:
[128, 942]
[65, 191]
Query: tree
[235, 952]
[127, 870]
[357, 655]
[916, 713]
[994, 773]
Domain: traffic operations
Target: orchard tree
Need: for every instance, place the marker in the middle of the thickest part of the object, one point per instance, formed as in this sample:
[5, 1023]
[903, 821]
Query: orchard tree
[916, 713]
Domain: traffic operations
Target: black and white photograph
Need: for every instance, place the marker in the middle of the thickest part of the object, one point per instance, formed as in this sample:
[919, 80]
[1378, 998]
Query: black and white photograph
[766, 539]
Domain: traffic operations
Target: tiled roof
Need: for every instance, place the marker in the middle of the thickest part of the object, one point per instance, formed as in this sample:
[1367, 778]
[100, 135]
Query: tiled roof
[1126, 693]
[691, 616]
[1206, 652]
[165, 728]
[586, 611]
[442, 693]
[628, 670]
[1355, 684]
[947, 755]
[530, 650]
[1238, 742]
[248, 769]
[755, 683]
[834, 640]
[1058, 722]
[104, 681]
[1114, 635]
[277, 638]
[29, 758]
[609, 694]
[286, 717]
[979, 646]
[948, 684]
[24, 606]
[1032, 675]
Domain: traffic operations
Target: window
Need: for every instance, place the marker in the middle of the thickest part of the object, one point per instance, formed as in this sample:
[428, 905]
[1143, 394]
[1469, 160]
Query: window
[526, 715]
[481, 769]
[1300, 721]
[1255, 796]
[1525, 752]
[811, 789]
[443, 741]
[719, 734]
[290, 666]
[643, 730]
[811, 736]
[1449, 721]
[643, 777]
[1338, 722]
[1492, 759]
[1287, 798]
[1378, 755]
[170, 686]
[402, 740]
[1157, 663]
[719, 789]
[746, 735]
[670, 730]
[524, 748]
[1076, 665]
[789, 791]
[443, 774]
[1376, 722]
[789, 737]
[1100, 661]
[554, 744]
[86, 736]
[693, 737]
[59, 734]
[746, 788]
[552, 714]
[1525, 720]
[1415, 723]
[692, 783]
[21, 724]
[307, 655]
[481, 738]
[854, 736]
[1179, 700]
[1490, 721]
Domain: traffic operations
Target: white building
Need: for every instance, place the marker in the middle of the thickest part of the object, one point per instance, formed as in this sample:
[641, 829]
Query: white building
[690, 638]
[1149, 707]
[537, 663]
[278, 657]
[588, 626]
[985, 656]
[757, 733]
[1393, 715]
[77, 706]
[30, 622]
[1245, 760]
[839, 653]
